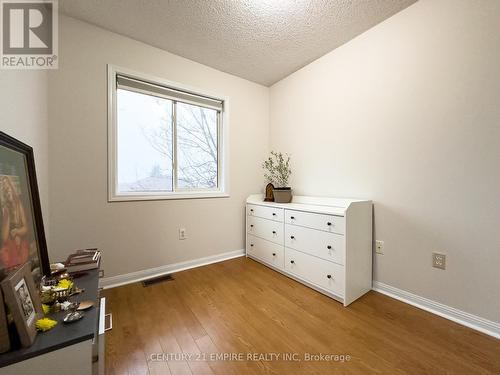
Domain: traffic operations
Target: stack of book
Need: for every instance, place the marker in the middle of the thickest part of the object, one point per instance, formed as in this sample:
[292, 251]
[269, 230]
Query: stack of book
[83, 260]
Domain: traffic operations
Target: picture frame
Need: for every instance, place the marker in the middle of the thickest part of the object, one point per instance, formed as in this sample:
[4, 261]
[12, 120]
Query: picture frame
[22, 299]
[22, 235]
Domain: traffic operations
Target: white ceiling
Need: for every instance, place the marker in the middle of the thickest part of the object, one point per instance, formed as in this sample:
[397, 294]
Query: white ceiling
[260, 40]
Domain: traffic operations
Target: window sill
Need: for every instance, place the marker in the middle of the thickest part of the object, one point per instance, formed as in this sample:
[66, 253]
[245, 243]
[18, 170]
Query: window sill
[170, 196]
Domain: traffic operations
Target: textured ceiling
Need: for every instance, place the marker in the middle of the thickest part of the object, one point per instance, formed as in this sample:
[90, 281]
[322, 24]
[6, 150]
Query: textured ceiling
[260, 40]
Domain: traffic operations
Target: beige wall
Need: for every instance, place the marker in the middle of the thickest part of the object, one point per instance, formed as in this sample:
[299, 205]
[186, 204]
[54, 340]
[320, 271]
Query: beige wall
[140, 235]
[23, 115]
[407, 115]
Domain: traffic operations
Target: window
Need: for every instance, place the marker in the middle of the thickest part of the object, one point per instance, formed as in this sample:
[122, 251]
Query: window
[165, 142]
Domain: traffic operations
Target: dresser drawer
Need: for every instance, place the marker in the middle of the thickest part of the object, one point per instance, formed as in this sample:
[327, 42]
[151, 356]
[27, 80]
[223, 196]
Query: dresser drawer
[266, 251]
[327, 223]
[266, 229]
[327, 275]
[271, 213]
[329, 246]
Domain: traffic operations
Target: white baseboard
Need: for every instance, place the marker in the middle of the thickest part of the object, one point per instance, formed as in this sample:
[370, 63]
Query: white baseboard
[461, 317]
[133, 277]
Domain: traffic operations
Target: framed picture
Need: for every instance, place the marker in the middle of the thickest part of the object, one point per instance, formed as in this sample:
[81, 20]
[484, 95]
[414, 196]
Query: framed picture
[23, 302]
[22, 236]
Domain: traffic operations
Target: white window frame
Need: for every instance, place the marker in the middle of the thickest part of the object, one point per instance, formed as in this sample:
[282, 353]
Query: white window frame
[222, 190]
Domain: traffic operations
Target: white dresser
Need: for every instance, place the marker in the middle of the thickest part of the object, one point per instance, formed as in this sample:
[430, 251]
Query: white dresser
[324, 243]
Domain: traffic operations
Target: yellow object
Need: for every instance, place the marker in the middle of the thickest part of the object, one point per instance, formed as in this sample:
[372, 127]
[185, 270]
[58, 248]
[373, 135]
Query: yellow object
[45, 324]
[45, 308]
[65, 284]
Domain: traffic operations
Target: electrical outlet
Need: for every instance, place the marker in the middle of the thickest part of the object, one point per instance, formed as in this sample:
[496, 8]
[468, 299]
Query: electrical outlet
[439, 260]
[182, 234]
[379, 247]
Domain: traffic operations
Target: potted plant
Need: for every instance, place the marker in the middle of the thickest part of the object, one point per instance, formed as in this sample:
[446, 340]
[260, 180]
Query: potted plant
[277, 171]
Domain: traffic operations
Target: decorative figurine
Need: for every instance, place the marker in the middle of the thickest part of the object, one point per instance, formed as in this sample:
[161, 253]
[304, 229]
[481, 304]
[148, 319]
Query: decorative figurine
[269, 193]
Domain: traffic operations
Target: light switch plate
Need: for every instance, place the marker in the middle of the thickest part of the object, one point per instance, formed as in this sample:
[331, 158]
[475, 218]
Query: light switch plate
[379, 247]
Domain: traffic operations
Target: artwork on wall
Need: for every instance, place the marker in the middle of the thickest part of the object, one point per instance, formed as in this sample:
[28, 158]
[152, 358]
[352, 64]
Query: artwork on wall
[21, 297]
[22, 236]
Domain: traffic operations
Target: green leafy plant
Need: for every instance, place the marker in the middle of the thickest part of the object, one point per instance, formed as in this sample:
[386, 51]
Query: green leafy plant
[277, 169]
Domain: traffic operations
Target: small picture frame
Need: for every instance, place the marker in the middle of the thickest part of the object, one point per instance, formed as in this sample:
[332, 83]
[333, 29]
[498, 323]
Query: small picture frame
[21, 297]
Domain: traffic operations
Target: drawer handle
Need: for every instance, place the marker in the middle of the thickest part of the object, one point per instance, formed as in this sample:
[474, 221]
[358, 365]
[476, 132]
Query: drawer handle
[110, 322]
[274, 232]
[251, 225]
[329, 224]
[274, 254]
[292, 217]
[292, 237]
[251, 210]
[251, 245]
[329, 276]
[329, 247]
[292, 261]
[274, 214]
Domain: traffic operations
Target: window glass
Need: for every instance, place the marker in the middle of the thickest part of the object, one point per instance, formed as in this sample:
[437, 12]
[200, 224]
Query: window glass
[144, 143]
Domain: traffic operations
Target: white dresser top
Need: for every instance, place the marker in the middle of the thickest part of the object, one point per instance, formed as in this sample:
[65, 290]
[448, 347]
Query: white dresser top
[322, 205]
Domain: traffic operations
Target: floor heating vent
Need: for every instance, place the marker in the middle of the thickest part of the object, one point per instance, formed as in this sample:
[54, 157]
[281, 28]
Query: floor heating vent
[157, 280]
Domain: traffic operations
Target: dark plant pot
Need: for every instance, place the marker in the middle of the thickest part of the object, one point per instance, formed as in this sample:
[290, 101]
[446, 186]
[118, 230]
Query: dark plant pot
[282, 195]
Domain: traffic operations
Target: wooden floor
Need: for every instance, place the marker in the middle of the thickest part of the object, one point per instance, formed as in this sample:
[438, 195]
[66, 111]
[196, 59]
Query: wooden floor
[240, 306]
